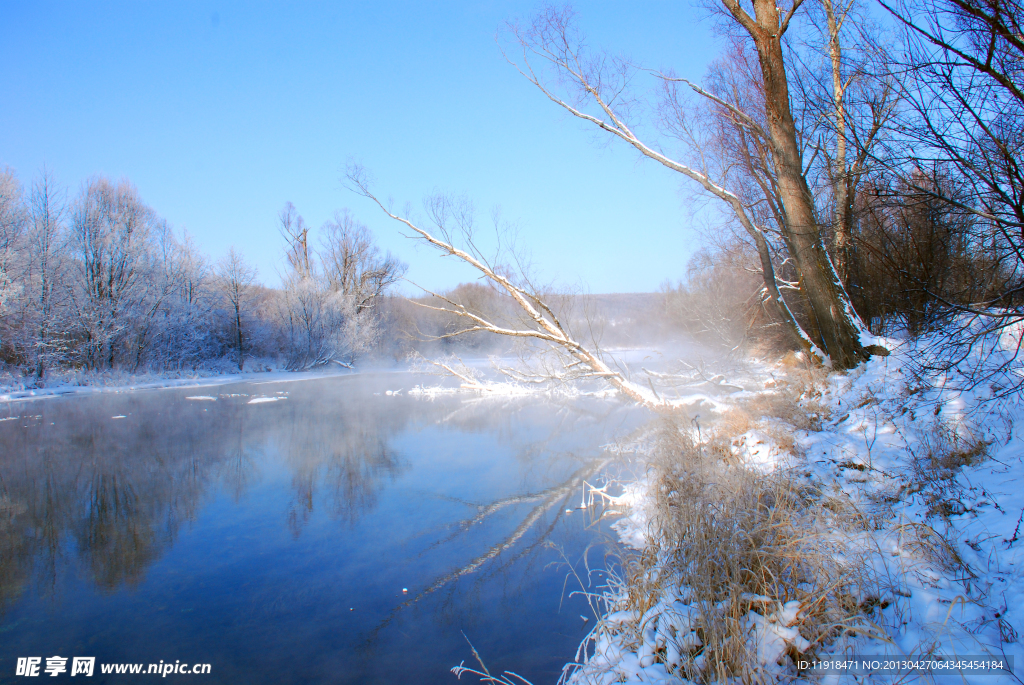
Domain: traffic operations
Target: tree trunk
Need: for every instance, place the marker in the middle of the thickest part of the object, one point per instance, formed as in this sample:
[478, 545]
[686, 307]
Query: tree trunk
[238, 331]
[841, 180]
[838, 325]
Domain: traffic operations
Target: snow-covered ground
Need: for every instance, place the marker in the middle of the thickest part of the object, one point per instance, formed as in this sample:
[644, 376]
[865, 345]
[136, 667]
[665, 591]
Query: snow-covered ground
[936, 473]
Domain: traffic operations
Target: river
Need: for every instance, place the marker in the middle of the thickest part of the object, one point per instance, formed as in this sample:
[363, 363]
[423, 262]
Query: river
[328, 530]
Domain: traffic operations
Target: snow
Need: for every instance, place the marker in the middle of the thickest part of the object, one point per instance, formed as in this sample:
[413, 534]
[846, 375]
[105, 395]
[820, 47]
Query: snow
[477, 375]
[110, 382]
[263, 400]
[494, 389]
[757, 451]
[946, 547]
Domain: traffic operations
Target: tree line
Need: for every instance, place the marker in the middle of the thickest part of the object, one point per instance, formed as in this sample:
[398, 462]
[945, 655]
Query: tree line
[99, 281]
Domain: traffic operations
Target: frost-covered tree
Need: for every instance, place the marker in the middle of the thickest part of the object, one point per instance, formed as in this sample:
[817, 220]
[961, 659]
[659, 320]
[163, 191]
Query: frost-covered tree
[48, 322]
[352, 263]
[236, 279]
[331, 293]
[12, 223]
[111, 229]
[181, 324]
[317, 322]
[102, 282]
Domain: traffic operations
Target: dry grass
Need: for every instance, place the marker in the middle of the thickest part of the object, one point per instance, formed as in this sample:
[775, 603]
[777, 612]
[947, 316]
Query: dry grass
[749, 555]
[732, 423]
[936, 463]
[934, 547]
[793, 404]
[784, 405]
[745, 556]
[738, 542]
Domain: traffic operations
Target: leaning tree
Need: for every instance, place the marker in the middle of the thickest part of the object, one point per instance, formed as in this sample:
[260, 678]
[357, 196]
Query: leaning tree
[596, 88]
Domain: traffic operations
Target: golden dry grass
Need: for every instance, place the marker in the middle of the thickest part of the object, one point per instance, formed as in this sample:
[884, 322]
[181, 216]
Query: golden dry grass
[739, 541]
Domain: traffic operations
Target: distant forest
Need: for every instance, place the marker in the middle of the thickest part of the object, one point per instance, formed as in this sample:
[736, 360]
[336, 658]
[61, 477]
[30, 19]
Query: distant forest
[99, 281]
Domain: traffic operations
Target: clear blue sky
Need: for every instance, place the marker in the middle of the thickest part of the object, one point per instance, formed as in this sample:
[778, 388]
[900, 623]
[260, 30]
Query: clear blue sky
[222, 112]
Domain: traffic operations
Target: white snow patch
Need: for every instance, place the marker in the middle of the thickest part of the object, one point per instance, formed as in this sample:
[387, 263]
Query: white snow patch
[758, 451]
[488, 389]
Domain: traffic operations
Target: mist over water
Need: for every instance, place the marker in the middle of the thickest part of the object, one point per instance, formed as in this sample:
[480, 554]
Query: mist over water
[270, 529]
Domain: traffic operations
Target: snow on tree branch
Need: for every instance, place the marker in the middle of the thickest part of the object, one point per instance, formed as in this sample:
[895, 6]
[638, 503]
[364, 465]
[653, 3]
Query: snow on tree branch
[540, 321]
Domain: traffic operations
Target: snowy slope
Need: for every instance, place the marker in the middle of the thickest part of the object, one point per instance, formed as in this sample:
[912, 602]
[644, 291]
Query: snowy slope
[933, 463]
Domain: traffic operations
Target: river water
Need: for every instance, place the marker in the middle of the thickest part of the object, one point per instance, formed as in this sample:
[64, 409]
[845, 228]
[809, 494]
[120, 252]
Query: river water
[295, 532]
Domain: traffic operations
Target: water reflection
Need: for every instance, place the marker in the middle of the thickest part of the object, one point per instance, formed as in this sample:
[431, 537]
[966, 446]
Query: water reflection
[119, 491]
[172, 505]
[342, 447]
[122, 488]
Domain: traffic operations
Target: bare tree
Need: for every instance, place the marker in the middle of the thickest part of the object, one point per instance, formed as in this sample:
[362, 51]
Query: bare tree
[598, 92]
[718, 303]
[960, 65]
[962, 61]
[846, 104]
[111, 228]
[913, 246]
[352, 262]
[49, 263]
[294, 230]
[836, 321]
[453, 222]
[236, 279]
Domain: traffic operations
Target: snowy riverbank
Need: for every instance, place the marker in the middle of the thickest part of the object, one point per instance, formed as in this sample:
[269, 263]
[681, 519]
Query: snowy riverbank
[908, 494]
[77, 383]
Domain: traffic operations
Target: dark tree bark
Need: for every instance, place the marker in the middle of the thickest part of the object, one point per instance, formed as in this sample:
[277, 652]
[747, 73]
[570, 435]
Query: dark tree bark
[839, 327]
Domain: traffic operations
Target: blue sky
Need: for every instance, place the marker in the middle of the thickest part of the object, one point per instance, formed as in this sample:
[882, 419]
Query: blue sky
[220, 113]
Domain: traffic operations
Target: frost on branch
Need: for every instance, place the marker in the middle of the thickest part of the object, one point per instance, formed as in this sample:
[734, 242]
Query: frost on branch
[453, 233]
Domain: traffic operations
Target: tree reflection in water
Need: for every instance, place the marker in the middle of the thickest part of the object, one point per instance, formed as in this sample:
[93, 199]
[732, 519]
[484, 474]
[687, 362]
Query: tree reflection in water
[115, 492]
[325, 495]
[342, 449]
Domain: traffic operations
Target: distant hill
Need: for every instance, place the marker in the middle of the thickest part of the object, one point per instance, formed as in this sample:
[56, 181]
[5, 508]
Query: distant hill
[620, 308]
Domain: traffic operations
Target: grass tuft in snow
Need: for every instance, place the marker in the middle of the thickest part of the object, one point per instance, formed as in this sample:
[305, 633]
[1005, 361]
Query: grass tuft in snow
[740, 575]
[936, 462]
[750, 555]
